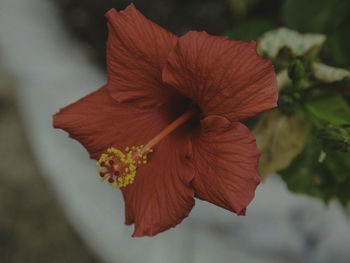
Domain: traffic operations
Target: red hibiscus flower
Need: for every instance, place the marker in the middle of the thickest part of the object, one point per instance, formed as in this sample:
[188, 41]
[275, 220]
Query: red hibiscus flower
[167, 126]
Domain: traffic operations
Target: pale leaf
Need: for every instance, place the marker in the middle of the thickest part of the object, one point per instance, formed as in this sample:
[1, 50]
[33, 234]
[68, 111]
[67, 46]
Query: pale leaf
[283, 80]
[329, 74]
[282, 44]
[280, 138]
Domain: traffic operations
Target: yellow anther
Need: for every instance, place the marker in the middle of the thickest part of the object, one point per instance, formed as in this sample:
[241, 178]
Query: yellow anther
[121, 167]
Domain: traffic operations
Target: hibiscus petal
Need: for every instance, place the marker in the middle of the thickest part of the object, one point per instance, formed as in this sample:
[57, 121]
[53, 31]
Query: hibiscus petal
[98, 122]
[161, 195]
[137, 50]
[224, 77]
[225, 159]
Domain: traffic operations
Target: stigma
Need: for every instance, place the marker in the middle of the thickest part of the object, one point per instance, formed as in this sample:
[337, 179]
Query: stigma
[119, 167]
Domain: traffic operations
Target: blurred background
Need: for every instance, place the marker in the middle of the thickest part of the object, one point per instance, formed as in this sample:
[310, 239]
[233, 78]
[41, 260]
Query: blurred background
[52, 208]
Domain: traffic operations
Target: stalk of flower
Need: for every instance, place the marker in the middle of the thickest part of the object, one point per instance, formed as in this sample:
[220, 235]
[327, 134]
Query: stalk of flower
[121, 168]
[167, 127]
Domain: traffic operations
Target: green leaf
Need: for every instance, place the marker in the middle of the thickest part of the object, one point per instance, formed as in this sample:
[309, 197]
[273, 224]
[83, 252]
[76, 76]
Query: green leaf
[319, 172]
[328, 107]
[280, 138]
[283, 44]
[322, 169]
[298, 72]
[335, 137]
[331, 17]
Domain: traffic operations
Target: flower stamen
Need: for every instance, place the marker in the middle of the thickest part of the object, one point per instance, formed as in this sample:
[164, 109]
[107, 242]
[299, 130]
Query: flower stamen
[120, 167]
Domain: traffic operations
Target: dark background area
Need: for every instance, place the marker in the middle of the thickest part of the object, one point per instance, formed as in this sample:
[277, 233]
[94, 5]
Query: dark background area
[240, 19]
[85, 18]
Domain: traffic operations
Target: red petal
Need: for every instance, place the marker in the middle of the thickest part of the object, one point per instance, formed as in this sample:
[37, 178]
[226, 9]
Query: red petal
[137, 50]
[225, 158]
[161, 195]
[98, 122]
[224, 77]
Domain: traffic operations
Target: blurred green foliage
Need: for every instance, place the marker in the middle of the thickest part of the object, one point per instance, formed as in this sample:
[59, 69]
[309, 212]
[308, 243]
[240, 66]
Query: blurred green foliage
[328, 107]
[319, 172]
[330, 17]
[336, 137]
[322, 168]
[318, 16]
[250, 29]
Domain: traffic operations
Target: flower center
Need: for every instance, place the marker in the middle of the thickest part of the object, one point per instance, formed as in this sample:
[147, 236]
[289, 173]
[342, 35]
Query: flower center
[120, 167]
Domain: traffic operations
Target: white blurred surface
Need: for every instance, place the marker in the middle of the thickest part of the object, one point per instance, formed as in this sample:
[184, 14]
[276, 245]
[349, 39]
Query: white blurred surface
[51, 72]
